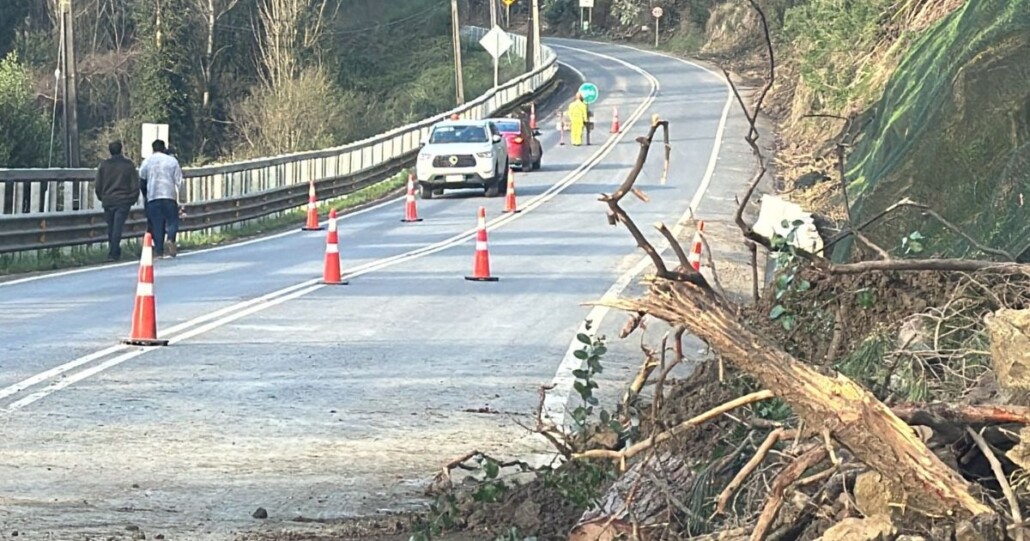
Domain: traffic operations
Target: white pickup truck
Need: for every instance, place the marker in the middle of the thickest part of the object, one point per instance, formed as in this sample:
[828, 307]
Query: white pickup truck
[462, 154]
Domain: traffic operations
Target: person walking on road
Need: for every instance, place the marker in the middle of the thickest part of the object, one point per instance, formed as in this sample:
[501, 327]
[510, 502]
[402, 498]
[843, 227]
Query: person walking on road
[578, 116]
[117, 188]
[162, 179]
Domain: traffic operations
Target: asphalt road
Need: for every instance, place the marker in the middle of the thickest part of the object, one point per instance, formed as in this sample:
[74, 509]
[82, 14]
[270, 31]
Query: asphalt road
[336, 401]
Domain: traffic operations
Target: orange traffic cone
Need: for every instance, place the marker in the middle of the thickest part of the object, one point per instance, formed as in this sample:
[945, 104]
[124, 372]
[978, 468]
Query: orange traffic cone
[144, 313]
[694, 257]
[532, 116]
[312, 224]
[481, 269]
[331, 272]
[410, 210]
[509, 200]
[615, 121]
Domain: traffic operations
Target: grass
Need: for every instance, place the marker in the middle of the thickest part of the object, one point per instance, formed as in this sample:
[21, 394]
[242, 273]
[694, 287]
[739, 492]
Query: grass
[93, 254]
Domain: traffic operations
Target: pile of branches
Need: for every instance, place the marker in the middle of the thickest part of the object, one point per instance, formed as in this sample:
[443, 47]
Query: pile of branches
[840, 463]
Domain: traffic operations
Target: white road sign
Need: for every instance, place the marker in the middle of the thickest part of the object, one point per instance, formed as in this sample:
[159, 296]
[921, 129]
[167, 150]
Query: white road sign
[657, 12]
[496, 42]
[586, 3]
[152, 132]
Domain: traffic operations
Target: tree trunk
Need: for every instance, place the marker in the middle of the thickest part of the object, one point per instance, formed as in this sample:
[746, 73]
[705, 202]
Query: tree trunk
[852, 415]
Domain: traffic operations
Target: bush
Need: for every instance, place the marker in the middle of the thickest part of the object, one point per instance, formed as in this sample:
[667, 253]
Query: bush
[24, 130]
[305, 113]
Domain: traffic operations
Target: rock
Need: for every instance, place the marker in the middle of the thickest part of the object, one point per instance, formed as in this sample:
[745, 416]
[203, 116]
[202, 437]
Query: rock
[527, 516]
[260, 513]
[132, 528]
[808, 180]
[875, 528]
[1010, 348]
[909, 538]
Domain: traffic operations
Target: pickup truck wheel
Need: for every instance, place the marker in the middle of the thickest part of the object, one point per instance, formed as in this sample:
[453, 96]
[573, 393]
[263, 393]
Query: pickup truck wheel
[494, 189]
[426, 191]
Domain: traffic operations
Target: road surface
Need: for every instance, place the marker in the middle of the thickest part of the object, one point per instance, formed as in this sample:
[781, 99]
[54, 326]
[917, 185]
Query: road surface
[337, 401]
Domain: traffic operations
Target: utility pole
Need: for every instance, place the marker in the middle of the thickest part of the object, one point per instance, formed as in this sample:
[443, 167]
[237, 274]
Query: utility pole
[533, 37]
[529, 42]
[459, 85]
[537, 57]
[69, 88]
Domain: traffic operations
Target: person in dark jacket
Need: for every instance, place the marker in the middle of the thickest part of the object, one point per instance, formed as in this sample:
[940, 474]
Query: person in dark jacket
[117, 187]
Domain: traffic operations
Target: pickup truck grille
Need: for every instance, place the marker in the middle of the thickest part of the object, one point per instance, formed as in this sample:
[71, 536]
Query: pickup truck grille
[464, 160]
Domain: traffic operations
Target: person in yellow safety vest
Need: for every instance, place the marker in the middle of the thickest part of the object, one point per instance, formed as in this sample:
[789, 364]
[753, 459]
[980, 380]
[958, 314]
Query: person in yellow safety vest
[578, 115]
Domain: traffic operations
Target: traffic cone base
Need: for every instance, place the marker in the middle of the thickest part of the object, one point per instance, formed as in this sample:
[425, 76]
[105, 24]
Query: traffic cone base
[487, 279]
[142, 342]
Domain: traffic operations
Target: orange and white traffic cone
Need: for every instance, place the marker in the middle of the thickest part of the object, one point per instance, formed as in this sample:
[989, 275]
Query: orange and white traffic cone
[615, 122]
[312, 223]
[561, 128]
[410, 210]
[509, 199]
[532, 116]
[481, 268]
[694, 257]
[144, 313]
[331, 271]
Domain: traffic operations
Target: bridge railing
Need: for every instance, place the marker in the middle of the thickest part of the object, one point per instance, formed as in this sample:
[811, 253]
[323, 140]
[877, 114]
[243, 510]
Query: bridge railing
[47, 208]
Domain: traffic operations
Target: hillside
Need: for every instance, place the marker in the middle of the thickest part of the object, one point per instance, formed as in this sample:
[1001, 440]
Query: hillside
[233, 78]
[928, 97]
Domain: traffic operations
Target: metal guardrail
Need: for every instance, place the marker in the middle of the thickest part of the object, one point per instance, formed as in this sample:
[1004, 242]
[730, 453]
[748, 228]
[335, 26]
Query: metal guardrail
[50, 208]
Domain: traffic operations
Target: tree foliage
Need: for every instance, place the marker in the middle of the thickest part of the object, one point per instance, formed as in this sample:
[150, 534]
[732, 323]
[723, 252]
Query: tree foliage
[220, 72]
[24, 133]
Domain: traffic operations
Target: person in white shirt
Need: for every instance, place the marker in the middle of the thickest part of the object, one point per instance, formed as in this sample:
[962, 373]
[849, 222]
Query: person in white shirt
[161, 180]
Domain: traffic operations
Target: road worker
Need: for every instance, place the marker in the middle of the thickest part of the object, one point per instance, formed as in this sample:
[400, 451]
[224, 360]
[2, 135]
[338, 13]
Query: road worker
[578, 116]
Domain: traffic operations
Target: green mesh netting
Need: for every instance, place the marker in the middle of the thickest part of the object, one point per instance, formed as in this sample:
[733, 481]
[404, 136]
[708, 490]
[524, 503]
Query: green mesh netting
[953, 131]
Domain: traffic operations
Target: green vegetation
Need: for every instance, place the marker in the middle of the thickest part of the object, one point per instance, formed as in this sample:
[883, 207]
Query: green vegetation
[22, 125]
[237, 79]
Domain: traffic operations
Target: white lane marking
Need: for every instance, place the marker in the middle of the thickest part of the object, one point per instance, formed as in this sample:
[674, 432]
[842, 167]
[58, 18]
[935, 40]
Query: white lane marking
[192, 253]
[557, 398]
[58, 370]
[111, 363]
[298, 290]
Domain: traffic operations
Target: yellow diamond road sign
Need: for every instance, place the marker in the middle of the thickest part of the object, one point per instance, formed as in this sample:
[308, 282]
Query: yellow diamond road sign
[509, 2]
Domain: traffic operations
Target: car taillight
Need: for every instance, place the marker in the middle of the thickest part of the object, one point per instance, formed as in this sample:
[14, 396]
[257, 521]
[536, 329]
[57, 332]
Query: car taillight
[518, 140]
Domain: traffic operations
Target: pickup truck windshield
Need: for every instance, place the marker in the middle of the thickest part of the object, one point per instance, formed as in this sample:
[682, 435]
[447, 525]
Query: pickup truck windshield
[459, 134]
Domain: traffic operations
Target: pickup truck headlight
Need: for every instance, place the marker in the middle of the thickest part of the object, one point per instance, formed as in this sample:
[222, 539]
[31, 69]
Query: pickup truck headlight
[487, 154]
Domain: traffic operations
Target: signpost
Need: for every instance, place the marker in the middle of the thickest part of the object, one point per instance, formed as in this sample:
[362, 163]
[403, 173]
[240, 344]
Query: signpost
[496, 42]
[589, 6]
[151, 133]
[657, 12]
[508, 12]
[589, 92]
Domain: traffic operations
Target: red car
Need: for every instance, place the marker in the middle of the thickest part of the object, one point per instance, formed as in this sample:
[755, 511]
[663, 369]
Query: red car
[523, 146]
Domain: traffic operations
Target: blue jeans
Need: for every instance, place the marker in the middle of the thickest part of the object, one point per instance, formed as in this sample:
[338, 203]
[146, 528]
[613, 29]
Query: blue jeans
[164, 217]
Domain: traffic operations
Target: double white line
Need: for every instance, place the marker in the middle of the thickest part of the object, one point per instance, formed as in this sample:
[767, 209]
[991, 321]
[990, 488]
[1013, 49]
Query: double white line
[116, 355]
